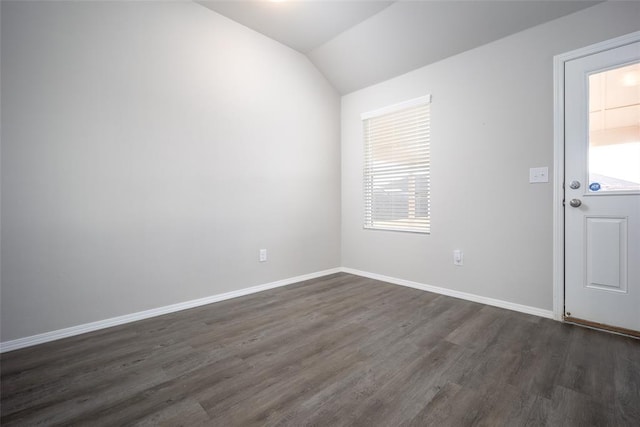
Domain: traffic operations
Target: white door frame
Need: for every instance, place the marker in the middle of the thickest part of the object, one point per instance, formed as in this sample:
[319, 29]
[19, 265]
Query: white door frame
[558, 159]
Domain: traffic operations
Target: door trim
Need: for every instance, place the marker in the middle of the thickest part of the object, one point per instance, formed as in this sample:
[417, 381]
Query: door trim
[558, 158]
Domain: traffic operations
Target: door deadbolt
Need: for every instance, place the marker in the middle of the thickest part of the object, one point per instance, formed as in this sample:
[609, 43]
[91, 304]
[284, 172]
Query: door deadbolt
[574, 185]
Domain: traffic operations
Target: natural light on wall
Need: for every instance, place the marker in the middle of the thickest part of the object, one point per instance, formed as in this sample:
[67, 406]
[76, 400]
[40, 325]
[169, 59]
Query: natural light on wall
[614, 129]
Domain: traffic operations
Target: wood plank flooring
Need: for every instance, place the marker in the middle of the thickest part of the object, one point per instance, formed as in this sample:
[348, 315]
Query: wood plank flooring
[340, 350]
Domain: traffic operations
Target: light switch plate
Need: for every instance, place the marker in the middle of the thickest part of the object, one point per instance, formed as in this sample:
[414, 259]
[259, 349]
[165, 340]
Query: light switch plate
[539, 174]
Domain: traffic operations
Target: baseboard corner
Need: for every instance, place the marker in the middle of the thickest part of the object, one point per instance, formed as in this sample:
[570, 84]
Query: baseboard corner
[548, 314]
[58, 334]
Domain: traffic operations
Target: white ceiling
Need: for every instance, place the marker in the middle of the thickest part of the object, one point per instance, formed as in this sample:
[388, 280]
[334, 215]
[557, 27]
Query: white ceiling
[301, 25]
[359, 43]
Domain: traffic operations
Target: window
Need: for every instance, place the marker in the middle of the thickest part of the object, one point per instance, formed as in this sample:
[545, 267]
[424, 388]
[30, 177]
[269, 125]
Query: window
[396, 167]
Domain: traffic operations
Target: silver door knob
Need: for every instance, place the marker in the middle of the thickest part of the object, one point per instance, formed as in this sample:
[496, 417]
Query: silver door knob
[575, 203]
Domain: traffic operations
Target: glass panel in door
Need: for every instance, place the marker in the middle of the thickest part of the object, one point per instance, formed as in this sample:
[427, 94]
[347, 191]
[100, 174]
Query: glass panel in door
[614, 130]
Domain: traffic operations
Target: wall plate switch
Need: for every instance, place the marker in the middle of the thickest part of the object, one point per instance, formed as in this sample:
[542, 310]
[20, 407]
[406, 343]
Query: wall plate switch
[539, 174]
[458, 257]
[263, 255]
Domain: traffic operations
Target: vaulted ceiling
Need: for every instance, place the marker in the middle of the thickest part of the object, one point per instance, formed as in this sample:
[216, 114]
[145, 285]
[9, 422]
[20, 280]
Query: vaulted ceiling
[359, 43]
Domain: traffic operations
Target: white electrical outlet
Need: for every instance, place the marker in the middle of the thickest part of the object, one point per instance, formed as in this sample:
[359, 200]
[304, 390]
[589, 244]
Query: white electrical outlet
[263, 255]
[458, 257]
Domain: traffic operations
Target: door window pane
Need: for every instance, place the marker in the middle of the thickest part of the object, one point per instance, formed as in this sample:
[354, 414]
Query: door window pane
[614, 129]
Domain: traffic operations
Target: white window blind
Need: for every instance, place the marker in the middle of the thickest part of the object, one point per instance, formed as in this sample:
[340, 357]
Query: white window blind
[396, 167]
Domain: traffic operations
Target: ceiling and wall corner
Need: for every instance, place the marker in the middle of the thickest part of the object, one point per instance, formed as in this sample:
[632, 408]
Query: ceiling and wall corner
[356, 44]
[301, 25]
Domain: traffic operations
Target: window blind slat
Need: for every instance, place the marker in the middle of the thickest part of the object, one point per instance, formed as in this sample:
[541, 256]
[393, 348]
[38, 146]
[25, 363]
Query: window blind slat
[397, 168]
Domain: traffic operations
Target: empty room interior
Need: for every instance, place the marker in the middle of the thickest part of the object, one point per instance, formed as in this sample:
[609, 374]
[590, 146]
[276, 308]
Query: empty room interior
[327, 213]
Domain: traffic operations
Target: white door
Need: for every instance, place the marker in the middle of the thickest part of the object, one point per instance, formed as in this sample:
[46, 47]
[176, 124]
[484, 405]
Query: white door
[602, 188]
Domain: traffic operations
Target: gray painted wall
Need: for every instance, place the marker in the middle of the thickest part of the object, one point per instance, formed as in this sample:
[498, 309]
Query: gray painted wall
[492, 119]
[148, 151]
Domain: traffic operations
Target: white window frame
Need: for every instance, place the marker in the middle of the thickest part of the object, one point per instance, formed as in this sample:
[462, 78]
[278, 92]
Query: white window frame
[396, 178]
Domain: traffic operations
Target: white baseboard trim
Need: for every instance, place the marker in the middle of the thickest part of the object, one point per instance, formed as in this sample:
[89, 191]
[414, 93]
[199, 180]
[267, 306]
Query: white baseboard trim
[127, 318]
[452, 293]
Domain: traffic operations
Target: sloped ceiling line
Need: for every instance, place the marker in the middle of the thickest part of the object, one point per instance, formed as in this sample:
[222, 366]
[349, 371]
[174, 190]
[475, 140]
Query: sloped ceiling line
[356, 44]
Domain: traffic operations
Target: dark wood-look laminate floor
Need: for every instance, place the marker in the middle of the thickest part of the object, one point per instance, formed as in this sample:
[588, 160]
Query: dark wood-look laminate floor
[336, 351]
